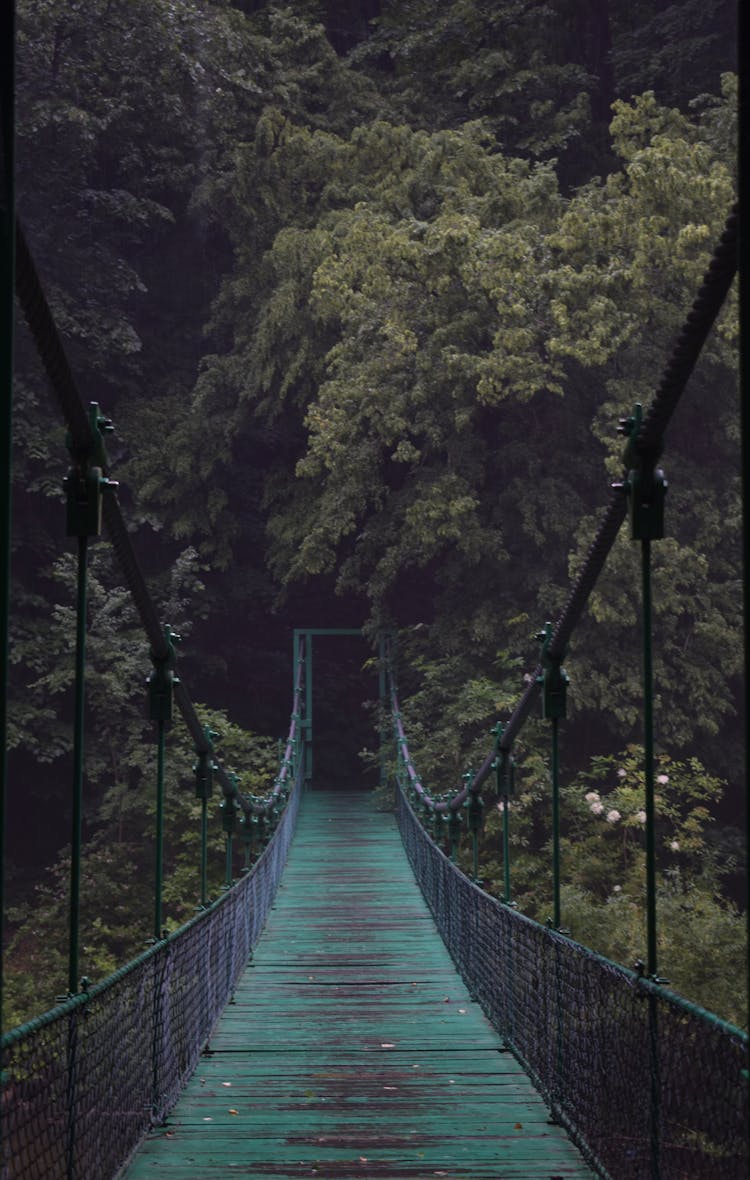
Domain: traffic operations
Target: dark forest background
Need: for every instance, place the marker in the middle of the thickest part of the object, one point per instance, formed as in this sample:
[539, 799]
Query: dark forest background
[366, 288]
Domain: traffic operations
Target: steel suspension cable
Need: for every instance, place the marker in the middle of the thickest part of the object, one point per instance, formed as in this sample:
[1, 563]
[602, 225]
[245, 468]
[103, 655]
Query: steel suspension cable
[648, 442]
[699, 321]
[38, 315]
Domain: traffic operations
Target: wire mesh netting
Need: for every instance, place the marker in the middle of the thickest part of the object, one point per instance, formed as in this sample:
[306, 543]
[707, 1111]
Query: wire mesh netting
[646, 1083]
[83, 1083]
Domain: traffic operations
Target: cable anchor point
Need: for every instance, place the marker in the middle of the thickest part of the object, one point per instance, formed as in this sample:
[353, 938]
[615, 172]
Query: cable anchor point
[645, 485]
[554, 680]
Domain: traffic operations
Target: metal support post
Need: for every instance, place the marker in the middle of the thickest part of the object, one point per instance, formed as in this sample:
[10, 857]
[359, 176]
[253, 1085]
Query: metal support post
[247, 843]
[229, 853]
[646, 488]
[308, 710]
[555, 823]
[159, 866]
[454, 833]
[204, 852]
[506, 850]
[80, 701]
[203, 768]
[161, 686]
[505, 770]
[70, 1096]
[84, 488]
[229, 824]
[383, 712]
[554, 681]
[475, 820]
[648, 758]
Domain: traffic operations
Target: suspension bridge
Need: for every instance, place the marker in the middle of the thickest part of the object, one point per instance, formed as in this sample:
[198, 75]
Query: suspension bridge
[355, 1005]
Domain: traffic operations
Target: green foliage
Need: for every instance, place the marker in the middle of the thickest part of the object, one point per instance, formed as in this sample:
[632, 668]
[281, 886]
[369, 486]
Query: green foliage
[678, 50]
[118, 862]
[453, 61]
[702, 940]
[701, 935]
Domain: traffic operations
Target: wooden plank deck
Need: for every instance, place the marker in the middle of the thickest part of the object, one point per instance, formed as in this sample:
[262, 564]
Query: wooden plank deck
[352, 1048]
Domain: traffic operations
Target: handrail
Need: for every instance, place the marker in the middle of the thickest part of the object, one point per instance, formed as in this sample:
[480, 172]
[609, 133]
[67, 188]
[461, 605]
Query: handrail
[133, 1039]
[668, 1091]
[441, 806]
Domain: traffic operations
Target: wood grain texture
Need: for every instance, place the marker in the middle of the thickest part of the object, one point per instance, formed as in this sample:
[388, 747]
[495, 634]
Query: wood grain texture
[352, 1047]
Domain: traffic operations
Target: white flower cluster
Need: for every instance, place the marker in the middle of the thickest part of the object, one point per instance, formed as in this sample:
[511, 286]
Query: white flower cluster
[663, 779]
[594, 800]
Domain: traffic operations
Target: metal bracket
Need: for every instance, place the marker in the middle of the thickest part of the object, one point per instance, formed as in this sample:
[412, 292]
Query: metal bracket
[646, 485]
[504, 765]
[162, 681]
[554, 679]
[86, 482]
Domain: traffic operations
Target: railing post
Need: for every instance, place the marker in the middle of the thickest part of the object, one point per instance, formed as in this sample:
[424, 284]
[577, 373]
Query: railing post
[70, 1095]
[75, 839]
[161, 685]
[554, 682]
[505, 770]
[84, 487]
[229, 824]
[475, 819]
[646, 489]
[454, 833]
[308, 710]
[247, 843]
[383, 705]
[204, 779]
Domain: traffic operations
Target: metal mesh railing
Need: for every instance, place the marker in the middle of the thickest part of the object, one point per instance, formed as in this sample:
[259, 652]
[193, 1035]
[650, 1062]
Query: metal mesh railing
[646, 1083]
[83, 1083]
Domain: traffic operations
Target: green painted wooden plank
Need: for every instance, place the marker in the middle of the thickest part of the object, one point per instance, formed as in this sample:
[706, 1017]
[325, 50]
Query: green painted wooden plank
[352, 1047]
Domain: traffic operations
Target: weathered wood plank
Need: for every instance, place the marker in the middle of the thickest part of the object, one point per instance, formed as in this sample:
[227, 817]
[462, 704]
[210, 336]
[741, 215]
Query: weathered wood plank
[352, 1048]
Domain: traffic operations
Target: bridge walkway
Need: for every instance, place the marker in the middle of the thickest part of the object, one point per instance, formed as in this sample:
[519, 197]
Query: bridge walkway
[352, 1047]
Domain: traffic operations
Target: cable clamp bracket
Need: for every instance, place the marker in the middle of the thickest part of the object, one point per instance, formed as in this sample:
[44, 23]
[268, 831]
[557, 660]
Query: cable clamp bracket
[645, 485]
[554, 680]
